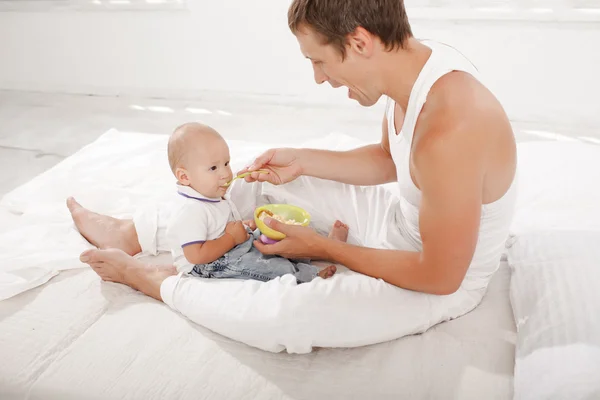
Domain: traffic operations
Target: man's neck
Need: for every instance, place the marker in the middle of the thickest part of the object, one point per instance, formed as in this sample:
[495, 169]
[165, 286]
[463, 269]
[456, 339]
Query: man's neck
[401, 68]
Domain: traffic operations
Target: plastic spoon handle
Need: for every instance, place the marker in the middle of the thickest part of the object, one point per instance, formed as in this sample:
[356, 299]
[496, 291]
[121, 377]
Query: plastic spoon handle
[262, 171]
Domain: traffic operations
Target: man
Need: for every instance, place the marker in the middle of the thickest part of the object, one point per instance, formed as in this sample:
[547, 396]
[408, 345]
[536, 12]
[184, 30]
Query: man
[446, 141]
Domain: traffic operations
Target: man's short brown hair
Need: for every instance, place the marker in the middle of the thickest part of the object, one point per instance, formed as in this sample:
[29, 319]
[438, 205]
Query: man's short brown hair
[335, 19]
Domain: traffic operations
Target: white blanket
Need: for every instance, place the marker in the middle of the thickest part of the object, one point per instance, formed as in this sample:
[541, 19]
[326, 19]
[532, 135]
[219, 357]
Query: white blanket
[122, 172]
[114, 175]
[77, 337]
[556, 303]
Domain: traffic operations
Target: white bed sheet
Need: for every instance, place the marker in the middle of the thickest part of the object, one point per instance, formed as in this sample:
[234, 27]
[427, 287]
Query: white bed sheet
[115, 175]
[76, 337]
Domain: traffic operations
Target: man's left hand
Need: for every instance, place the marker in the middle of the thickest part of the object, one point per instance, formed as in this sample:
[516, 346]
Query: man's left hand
[300, 242]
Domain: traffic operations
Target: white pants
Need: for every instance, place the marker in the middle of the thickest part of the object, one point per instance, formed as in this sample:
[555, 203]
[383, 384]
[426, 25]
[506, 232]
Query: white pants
[347, 310]
[372, 213]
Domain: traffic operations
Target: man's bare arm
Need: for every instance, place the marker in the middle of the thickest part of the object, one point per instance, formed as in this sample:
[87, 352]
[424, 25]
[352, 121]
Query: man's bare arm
[368, 165]
[451, 186]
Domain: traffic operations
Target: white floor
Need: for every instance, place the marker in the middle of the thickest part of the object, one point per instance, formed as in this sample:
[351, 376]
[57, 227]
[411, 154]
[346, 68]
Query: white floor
[39, 130]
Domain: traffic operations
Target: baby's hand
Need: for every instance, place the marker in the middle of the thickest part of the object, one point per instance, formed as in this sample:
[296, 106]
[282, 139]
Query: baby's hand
[238, 231]
[250, 223]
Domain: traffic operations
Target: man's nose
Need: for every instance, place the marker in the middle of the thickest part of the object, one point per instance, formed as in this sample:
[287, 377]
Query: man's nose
[320, 77]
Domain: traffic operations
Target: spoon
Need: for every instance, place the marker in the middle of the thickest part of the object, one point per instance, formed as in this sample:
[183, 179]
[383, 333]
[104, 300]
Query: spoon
[261, 171]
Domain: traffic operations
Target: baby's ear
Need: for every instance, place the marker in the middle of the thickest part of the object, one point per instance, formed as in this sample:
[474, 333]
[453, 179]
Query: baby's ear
[181, 175]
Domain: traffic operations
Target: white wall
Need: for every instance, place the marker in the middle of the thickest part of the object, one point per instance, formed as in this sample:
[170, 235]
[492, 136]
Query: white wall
[542, 72]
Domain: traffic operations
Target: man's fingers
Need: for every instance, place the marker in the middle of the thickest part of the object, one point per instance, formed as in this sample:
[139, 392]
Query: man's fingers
[278, 226]
[258, 176]
[255, 176]
[261, 160]
[267, 249]
[241, 171]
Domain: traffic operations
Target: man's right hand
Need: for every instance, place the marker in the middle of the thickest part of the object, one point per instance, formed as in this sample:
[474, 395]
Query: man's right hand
[283, 165]
[238, 231]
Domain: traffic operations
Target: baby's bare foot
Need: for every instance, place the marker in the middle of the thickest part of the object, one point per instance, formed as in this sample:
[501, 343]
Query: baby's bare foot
[328, 272]
[339, 231]
[103, 231]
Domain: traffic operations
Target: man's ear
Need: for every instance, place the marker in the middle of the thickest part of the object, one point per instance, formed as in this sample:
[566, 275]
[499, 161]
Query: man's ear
[361, 42]
[182, 176]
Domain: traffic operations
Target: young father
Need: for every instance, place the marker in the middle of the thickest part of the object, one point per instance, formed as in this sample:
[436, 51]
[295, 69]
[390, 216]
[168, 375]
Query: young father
[446, 141]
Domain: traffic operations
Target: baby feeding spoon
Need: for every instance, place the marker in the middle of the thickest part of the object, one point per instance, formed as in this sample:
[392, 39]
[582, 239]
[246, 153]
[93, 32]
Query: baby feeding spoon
[261, 171]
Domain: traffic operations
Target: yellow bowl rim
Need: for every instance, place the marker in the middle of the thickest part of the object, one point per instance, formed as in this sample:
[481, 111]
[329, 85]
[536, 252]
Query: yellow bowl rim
[271, 233]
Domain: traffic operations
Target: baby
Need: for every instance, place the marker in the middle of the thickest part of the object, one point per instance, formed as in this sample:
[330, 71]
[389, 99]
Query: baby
[207, 236]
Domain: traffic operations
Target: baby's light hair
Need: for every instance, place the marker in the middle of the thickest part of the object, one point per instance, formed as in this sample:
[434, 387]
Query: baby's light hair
[182, 140]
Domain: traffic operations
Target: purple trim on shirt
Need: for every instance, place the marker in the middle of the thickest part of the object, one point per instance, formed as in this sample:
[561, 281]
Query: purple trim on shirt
[196, 242]
[198, 198]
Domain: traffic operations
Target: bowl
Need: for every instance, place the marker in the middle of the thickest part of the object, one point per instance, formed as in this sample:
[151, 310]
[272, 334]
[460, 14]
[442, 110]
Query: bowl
[287, 211]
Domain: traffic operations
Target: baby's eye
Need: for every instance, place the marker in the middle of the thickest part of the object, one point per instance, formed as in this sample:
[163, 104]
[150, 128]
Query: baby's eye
[213, 168]
[227, 163]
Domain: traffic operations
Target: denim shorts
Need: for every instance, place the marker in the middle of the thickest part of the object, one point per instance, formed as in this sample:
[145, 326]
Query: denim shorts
[245, 262]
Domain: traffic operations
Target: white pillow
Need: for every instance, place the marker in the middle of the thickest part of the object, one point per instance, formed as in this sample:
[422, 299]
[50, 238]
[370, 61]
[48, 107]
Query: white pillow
[558, 186]
[555, 295]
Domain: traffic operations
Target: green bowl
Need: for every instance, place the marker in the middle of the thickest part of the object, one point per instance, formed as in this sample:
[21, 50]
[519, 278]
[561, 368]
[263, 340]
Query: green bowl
[286, 211]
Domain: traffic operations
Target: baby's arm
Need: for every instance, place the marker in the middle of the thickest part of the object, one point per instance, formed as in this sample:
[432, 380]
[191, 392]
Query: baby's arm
[250, 223]
[209, 251]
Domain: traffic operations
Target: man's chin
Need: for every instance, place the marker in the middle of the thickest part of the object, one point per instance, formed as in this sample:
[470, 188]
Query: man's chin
[365, 102]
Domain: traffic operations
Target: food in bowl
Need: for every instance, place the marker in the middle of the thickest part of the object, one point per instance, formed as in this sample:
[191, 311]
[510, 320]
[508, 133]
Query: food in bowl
[285, 213]
[266, 213]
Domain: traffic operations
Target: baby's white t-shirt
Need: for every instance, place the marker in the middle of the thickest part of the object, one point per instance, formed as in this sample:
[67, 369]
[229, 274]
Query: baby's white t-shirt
[196, 219]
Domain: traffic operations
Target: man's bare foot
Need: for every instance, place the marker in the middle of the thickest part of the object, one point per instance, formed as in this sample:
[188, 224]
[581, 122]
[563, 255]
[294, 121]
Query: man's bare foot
[328, 272]
[339, 231]
[114, 265]
[103, 231]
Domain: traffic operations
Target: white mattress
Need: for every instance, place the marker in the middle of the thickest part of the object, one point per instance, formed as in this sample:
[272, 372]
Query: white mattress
[76, 337]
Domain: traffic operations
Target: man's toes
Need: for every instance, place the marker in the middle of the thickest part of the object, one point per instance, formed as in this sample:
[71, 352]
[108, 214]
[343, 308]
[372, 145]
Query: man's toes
[87, 256]
[72, 204]
[93, 256]
[98, 267]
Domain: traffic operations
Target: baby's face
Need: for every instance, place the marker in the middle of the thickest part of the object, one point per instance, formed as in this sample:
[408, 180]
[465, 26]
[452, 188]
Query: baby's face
[208, 169]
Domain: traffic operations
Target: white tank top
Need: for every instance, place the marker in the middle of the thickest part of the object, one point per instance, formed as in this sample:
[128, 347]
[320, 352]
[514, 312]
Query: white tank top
[496, 217]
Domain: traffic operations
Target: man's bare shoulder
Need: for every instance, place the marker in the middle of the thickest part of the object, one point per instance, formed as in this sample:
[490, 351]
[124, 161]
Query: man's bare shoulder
[463, 123]
[459, 100]
[460, 107]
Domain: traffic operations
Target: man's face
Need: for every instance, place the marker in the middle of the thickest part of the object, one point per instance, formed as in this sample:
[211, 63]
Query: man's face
[329, 66]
